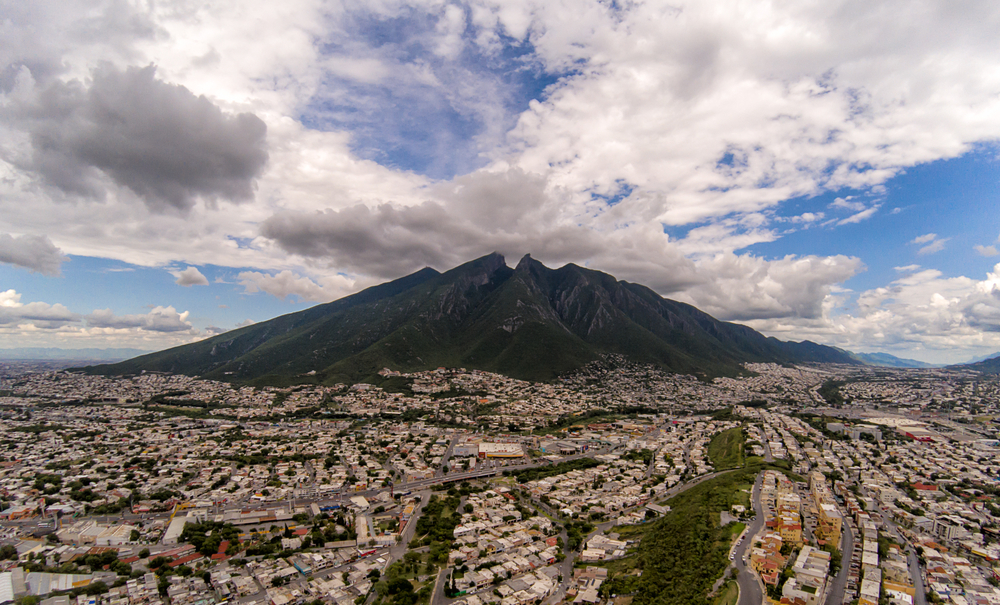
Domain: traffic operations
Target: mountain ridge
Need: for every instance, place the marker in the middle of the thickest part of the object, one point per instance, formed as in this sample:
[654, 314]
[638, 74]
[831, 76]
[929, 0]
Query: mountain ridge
[528, 322]
[990, 365]
[886, 360]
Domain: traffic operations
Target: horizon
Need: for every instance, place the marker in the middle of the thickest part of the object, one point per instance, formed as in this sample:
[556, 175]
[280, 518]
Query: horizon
[141, 352]
[826, 173]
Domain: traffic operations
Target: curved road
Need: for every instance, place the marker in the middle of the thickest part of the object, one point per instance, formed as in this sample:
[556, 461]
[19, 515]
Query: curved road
[751, 591]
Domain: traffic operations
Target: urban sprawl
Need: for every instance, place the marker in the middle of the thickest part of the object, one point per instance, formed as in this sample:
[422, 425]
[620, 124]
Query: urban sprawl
[820, 485]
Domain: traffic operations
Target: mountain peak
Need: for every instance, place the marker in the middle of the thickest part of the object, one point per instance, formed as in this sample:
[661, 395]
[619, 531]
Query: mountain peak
[528, 264]
[484, 265]
[493, 261]
[531, 322]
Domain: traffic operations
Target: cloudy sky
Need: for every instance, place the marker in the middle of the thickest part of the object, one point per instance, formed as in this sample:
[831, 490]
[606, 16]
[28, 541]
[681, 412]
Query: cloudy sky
[814, 169]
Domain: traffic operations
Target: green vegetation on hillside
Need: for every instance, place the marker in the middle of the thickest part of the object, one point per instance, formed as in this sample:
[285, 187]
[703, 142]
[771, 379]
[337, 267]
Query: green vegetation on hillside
[531, 322]
[725, 450]
[682, 554]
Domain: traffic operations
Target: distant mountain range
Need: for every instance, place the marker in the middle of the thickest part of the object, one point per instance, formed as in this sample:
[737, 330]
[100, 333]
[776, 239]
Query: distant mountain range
[982, 358]
[989, 365]
[886, 360]
[529, 322]
[57, 354]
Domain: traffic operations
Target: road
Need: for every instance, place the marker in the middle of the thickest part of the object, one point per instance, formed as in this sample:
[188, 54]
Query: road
[438, 598]
[328, 499]
[767, 451]
[402, 545]
[447, 456]
[919, 596]
[835, 593]
[656, 452]
[751, 588]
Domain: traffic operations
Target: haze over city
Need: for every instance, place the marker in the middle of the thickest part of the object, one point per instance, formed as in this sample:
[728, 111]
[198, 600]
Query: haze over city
[815, 170]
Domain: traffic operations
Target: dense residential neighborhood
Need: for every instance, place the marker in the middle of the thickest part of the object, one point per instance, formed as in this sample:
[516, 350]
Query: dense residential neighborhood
[828, 485]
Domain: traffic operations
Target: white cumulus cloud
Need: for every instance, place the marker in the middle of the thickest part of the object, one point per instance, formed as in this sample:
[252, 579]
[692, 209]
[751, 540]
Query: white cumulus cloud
[159, 319]
[922, 313]
[132, 131]
[286, 283]
[38, 314]
[190, 277]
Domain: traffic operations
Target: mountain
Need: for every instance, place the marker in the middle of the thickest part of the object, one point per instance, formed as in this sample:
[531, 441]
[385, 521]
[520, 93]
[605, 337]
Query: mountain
[529, 322]
[982, 358]
[885, 360]
[987, 366]
[57, 354]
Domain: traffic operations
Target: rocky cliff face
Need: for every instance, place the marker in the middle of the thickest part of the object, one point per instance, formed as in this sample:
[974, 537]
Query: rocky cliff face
[530, 322]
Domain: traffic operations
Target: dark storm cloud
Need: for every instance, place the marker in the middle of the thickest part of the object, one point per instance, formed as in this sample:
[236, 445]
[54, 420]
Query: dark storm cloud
[478, 214]
[33, 252]
[385, 241]
[159, 140]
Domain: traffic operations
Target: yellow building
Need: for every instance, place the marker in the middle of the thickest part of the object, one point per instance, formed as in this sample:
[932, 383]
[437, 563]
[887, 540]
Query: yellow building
[829, 523]
[790, 528]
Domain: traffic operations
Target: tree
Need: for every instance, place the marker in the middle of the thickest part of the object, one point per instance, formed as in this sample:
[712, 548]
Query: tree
[399, 585]
[96, 588]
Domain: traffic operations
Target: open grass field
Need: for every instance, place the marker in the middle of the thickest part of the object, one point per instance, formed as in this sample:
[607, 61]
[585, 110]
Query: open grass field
[729, 595]
[725, 450]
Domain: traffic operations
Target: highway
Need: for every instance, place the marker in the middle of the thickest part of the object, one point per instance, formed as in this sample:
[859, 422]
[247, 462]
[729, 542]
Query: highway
[332, 498]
